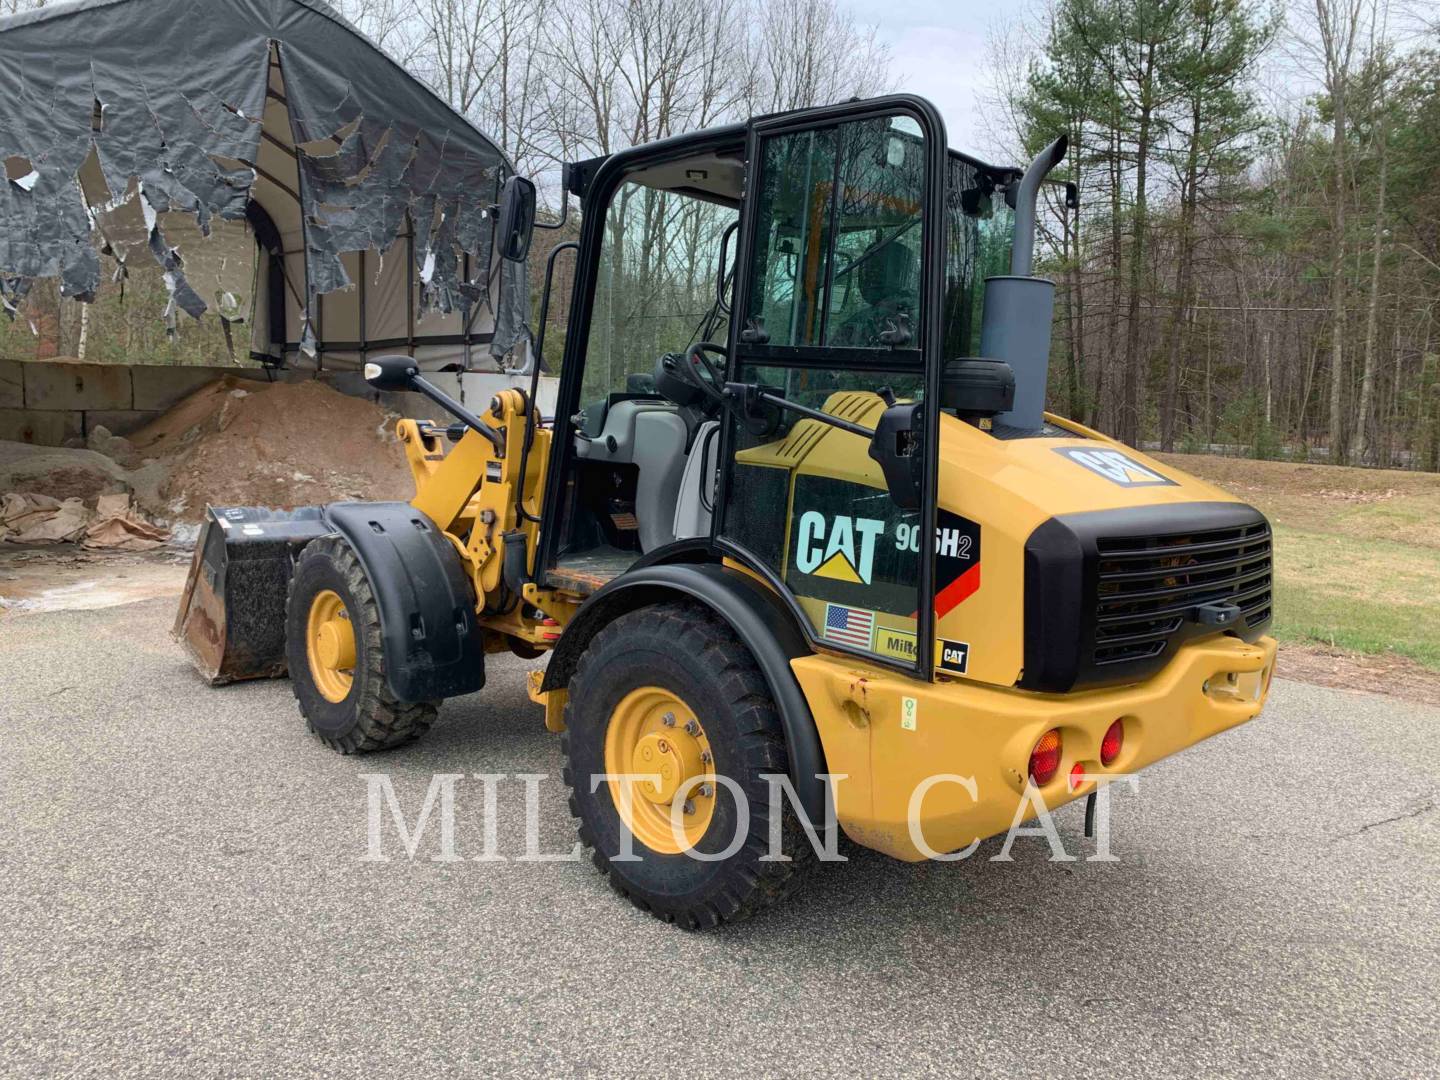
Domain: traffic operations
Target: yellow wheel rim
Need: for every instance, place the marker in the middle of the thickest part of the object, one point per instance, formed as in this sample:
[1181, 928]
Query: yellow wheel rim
[330, 646]
[653, 733]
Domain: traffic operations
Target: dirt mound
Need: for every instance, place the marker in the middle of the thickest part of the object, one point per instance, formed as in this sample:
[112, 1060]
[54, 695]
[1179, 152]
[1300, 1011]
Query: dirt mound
[241, 443]
[59, 471]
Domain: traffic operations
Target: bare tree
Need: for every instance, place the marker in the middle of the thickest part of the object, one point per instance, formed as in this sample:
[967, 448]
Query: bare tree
[1380, 125]
[812, 52]
[1337, 24]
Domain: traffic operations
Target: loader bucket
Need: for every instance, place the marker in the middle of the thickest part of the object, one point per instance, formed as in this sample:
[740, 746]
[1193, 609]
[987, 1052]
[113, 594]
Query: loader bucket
[232, 612]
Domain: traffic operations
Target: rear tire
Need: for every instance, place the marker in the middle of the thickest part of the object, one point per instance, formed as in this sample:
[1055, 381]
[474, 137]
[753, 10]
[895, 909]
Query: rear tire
[350, 709]
[682, 653]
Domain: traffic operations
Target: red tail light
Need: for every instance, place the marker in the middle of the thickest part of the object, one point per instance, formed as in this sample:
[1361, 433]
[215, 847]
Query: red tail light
[1045, 758]
[1077, 776]
[1111, 744]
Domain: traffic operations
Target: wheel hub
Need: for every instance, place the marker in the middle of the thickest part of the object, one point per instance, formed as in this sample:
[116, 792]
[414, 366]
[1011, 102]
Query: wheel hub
[655, 738]
[335, 644]
[671, 759]
[330, 646]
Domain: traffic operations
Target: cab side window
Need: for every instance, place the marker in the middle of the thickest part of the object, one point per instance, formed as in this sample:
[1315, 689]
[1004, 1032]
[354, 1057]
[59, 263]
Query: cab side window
[979, 233]
[655, 286]
[837, 260]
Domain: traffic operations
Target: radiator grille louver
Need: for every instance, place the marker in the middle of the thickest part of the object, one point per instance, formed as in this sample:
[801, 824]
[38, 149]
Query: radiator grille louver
[1149, 586]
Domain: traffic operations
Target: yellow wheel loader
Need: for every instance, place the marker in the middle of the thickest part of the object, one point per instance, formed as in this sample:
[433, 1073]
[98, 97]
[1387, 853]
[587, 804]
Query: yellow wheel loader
[817, 537]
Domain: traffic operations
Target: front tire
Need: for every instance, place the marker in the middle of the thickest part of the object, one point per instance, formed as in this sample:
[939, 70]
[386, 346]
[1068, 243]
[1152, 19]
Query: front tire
[671, 692]
[336, 655]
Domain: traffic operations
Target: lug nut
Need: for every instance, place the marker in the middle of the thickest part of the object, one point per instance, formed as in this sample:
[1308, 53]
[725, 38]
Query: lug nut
[706, 790]
[668, 719]
[706, 756]
[692, 728]
[689, 806]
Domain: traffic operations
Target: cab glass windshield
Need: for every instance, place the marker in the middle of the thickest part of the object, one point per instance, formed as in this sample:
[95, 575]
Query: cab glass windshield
[838, 260]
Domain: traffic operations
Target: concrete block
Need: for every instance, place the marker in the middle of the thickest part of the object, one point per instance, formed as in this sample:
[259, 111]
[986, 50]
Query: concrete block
[351, 383]
[12, 384]
[158, 387]
[447, 382]
[480, 387]
[77, 386]
[40, 428]
[413, 407]
[119, 421]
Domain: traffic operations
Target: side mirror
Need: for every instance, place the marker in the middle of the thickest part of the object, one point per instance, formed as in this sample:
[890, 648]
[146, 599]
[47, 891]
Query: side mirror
[898, 445]
[392, 373]
[516, 222]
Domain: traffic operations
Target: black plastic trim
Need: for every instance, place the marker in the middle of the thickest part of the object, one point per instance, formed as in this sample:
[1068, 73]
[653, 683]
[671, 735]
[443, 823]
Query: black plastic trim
[695, 549]
[427, 605]
[759, 619]
[1062, 574]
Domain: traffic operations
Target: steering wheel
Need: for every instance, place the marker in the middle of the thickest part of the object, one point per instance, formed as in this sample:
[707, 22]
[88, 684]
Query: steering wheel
[703, 372]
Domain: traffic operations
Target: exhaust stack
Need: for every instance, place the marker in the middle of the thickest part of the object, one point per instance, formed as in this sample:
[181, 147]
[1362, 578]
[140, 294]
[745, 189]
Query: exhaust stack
[1015, 325]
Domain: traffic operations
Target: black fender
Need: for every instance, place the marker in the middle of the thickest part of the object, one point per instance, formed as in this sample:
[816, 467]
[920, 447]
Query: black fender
[758, 617]
[432, 641]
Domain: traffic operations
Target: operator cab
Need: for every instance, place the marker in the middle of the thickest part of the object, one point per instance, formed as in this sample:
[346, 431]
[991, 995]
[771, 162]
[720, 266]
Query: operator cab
[749, 301]
[645, 438]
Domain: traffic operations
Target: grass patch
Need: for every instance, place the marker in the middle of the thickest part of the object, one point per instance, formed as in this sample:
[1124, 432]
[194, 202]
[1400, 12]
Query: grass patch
[1372, 596]
[1357, 551]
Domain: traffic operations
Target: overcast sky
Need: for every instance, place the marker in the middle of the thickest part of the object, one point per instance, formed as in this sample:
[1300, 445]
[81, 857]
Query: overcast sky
[940, 49]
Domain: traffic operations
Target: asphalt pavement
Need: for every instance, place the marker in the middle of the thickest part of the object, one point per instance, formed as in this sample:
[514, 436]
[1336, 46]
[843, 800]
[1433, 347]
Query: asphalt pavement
[184, 892]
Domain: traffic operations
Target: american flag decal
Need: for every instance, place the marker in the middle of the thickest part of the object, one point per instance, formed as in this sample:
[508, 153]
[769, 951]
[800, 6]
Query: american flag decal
[849, 626]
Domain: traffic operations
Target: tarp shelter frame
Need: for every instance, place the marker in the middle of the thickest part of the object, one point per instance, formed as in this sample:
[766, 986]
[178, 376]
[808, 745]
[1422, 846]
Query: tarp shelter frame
[131, 123]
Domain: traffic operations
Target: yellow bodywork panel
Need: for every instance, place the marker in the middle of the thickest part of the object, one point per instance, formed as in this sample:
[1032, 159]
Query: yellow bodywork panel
[1000, 490]
[1011, 487]
[888, 734]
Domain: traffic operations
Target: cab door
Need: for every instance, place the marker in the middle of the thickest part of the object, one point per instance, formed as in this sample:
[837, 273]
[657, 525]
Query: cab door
[837, 305]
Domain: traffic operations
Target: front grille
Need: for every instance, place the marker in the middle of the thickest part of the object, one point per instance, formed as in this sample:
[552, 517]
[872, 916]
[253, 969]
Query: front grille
[1148, 587]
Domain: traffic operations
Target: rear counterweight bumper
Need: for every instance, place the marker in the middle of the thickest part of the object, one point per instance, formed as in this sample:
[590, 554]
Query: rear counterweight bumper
[890, 749]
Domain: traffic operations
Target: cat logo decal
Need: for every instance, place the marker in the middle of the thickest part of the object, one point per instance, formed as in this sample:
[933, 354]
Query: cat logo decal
[1117, 467]
[842, 548]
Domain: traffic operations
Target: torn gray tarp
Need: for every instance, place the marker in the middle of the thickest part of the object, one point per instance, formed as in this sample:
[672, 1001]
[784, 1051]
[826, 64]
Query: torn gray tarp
[205, 106]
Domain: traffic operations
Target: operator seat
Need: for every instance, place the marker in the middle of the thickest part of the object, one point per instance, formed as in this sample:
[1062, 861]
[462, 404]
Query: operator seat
[885, 277]
[651, 435]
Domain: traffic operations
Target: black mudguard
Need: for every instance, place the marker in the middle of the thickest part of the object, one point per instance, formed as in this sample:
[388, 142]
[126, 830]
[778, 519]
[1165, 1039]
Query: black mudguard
[758, 617]
[427, 605]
